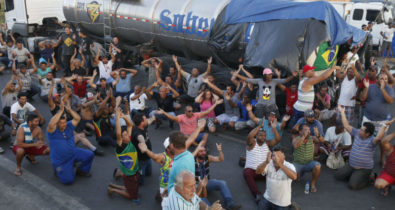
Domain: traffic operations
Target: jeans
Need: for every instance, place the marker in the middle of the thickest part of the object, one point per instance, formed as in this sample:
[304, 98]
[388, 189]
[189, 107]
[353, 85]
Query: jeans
[65, 172]
[250, 176]
[220, 185]
[145, 111]
[33, 91]
[298, 114]
[267, 205]
[357, 178]
[145, 169]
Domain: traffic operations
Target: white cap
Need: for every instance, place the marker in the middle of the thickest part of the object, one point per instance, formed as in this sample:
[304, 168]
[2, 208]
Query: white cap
[166, 143]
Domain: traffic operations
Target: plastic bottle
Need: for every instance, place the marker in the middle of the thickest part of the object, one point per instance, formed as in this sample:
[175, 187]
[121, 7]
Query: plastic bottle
[307, 188]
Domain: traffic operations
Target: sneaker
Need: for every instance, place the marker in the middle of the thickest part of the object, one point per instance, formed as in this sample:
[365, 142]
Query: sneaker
[1, 150]
[98, 152]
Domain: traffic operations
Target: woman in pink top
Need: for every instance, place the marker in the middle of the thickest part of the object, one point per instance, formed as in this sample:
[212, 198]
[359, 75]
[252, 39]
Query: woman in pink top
[206, 99]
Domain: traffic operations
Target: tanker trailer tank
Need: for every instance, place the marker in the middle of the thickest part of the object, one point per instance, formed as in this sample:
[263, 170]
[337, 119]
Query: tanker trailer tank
[177, 25]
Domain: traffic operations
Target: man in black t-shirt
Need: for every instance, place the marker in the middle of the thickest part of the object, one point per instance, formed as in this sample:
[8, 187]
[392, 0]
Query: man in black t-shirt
[164, 101]
[68, 41]
[140, 135]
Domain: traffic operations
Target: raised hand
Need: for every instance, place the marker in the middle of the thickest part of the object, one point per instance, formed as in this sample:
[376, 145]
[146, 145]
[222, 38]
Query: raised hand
[274, 123]
[366, 83]
[174, 58]
[205, 80]
[210, 60]
[286, 117]
[390, 122]
[219, 147]
[249, 107]
[340, 108]
[220, 101]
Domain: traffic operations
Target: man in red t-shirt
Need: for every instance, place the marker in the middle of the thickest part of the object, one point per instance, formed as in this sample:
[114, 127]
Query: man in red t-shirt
[292, 96]
[79, 84]
[188, 121]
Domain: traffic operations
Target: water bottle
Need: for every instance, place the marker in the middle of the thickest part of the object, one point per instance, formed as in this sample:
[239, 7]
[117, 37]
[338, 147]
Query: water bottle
[307, 188]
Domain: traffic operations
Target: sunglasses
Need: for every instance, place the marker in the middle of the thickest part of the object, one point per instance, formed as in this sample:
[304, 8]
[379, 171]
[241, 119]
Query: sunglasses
[189, 110]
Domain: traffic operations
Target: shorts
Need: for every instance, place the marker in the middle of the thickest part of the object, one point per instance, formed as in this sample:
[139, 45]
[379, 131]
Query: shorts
[300, 169]
[387, 45]
[31, 150]
[225, 118]
[387, 177]
[132, 185]
[199, 137]
[82, 125]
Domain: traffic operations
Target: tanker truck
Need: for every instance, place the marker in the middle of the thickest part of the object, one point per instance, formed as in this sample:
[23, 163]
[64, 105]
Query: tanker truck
[277, 33]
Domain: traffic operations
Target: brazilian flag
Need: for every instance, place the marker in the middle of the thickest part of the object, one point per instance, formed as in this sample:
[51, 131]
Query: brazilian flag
[326, 56]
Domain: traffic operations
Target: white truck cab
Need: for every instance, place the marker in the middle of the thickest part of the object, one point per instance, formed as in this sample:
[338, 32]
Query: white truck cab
[362, 13]
[24, 17]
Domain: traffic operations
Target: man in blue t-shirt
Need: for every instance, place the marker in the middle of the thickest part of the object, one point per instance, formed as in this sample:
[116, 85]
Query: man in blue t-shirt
[123, 82]
[361, 163]
[64, 154]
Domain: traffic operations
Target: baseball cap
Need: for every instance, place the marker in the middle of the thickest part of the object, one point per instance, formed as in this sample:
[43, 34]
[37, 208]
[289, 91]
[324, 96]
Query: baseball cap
[166, 143]
[309, 113]
[307, 68]
[267, 71]
[42, 60]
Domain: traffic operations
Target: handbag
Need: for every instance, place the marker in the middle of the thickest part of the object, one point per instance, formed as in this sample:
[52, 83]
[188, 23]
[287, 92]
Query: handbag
[335, 160]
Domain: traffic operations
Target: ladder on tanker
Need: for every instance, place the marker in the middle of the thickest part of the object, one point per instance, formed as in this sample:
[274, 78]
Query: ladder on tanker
[107, 24]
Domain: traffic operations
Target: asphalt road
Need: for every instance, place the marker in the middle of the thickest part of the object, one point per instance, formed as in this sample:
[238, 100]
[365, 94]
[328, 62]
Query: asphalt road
[38, 188]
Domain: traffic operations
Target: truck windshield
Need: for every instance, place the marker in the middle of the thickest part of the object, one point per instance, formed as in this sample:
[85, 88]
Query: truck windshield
[371, 15]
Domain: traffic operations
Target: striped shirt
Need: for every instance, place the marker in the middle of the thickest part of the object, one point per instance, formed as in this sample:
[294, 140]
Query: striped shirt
[305, 99]
[176, 202]
[27, 133]
[362, 151]
[305, 152]
[256, 156]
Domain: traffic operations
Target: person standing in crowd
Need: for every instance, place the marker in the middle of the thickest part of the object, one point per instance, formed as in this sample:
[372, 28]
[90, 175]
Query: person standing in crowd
[306, 89]
[84, 42]
[10, 93]
[194, 81]
[257, 150]
[379, 98]
[29, 142]
[67, 40]
[267, 91]
[128, 161]
[387, 177]
[202, 170]
[105, 63]
[348, 90]
[279, 176]
[388, 35]
[64, 152]
[303, 145]
[359, 168]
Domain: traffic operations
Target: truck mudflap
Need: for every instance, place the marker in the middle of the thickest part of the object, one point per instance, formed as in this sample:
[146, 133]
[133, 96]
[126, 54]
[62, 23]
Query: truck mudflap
[20, 28]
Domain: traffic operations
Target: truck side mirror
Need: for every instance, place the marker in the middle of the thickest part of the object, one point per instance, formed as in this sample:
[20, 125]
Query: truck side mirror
[387, 16]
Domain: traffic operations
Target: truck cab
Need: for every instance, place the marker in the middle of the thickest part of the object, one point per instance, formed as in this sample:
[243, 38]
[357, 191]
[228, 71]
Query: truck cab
[32, 17]
[362, 13]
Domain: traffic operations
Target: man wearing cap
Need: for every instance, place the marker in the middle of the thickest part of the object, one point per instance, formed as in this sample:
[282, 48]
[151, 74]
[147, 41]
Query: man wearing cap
[337, 139]
[267, 91]
[26, 77]
[165, 159]
[388, 35]
[306, 89]
[271, 133]
[44, 68]
[46, 50]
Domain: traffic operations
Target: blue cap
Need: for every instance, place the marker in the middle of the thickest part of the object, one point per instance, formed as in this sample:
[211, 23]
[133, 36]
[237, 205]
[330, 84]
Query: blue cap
[42, 60]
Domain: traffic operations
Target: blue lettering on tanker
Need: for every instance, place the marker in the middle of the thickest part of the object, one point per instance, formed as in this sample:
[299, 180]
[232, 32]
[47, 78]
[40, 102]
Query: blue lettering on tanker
[188, 24]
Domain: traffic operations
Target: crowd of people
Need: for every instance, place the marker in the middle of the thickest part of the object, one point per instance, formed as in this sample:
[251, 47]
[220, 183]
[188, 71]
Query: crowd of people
[88, 92]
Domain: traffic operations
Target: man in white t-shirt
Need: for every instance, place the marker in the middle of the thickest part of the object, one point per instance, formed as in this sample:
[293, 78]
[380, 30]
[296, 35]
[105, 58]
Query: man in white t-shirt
[279, 175]
[348, 90]
[388, 35]
[334, 134]
[20, 109]
[137, 101]
[104, 64]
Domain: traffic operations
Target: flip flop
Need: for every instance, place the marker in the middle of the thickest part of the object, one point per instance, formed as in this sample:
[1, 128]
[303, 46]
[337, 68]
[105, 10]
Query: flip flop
[313, 189]
[31, 160]
[18, 172]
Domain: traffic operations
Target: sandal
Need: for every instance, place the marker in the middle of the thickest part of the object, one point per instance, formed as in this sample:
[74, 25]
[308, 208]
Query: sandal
[313, 189]
[18, 172]
[31, 160]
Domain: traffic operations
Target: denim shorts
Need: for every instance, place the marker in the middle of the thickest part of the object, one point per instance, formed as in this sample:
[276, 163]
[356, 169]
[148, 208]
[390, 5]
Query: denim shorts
[300, 169]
